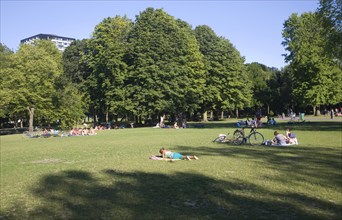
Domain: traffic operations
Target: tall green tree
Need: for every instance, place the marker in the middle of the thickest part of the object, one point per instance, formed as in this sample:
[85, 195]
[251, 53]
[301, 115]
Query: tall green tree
[74, 67]
[69, 104]
[32, 78]
[316, 76]
[166, 68]
[261, 75]
[226, 83]
[105, 57]
[73, 84]
[330, 12]
[6, 61]
[280, 91]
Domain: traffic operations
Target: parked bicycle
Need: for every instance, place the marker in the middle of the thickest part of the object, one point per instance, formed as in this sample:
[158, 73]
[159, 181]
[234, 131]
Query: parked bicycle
[225, 138]
[239, 137]
[253, 138]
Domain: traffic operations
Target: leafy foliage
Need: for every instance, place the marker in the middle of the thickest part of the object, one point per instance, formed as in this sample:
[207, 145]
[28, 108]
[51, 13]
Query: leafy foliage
[105, 57]
[227, 84]
[316, 77]
[261, 90]
[330, 12]
[166, 69]
[6, 60]
[159, 65]
[74, 68]
[36, 67]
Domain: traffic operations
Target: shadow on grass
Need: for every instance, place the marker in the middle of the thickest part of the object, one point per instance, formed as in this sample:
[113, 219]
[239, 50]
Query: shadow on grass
[304, 126]
[311, 126]
[76, 194]
[319, 165]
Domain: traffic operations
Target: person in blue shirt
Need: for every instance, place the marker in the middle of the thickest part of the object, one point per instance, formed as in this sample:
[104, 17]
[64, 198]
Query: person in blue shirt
[291, 137]
[167, 154]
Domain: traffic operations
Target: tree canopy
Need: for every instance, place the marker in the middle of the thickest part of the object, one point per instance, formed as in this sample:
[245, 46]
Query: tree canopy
[317, 78]
[227, 85]
[158, 65]
[166, 67]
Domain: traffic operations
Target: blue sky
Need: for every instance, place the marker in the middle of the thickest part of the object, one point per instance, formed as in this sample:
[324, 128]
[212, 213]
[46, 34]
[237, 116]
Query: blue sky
[253, 27]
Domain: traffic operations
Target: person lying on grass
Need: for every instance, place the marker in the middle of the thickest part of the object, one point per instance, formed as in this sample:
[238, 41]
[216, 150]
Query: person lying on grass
[167, 154]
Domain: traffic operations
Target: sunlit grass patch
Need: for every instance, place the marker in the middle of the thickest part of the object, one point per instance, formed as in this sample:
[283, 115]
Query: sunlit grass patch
[110, 176]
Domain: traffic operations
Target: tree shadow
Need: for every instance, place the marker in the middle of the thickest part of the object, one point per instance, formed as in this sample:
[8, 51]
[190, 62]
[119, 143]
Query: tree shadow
[113, 194]
[304, 126]
[311, 126]
[322, 165]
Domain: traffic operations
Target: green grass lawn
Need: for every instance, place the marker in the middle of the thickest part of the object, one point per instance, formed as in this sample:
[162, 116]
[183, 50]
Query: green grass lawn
[110, 175]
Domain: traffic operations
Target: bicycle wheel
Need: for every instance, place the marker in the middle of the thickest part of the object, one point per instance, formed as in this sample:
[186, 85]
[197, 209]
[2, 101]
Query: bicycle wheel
[220, 139]
[238, 138]
[256, 138]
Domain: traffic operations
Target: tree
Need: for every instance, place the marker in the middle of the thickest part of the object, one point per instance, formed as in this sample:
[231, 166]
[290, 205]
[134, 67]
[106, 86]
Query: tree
[226, 82]
[261, 75]
[166, 69]
[330, 12]
[280, 91]
[6, 60]
[105, 55]
[74, 67]
[32, 78]
[73, 82]
[316, 76]
[69, 105]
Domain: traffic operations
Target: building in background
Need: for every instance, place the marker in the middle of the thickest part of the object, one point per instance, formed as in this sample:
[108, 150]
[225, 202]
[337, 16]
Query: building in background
[60, 42]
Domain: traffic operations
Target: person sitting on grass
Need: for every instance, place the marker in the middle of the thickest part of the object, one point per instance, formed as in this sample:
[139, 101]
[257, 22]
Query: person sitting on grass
[279, 139]
[167, 154]
[291, 137]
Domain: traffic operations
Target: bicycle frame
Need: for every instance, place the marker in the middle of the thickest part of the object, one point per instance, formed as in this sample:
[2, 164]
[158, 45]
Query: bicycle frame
[242, 137]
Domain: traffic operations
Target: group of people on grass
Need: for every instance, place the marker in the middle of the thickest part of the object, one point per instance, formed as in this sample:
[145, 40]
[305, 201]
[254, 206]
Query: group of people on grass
[287, 139]
[82, 131]
[256, 122]
[279, 140]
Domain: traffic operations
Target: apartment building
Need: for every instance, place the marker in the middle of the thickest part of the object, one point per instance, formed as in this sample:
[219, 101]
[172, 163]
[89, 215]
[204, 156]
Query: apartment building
[60, 42]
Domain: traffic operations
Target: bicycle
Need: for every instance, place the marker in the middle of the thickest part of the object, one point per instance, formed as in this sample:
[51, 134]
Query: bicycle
[224, 138]
[254, 138]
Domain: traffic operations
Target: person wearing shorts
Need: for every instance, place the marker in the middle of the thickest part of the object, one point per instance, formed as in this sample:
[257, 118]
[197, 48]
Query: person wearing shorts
[167, 154]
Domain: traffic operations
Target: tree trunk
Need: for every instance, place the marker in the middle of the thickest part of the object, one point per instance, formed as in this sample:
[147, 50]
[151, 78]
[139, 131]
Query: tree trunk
[237, 113]
[222, 115]
[205, 116]
[107, 115]
[316, 111]
[15, 121]
[94, 117]
[31, 112]
[181, 119]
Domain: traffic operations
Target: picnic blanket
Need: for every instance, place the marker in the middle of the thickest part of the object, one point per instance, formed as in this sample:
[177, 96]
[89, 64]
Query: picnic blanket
[157, 157]
[283, 145]
[269, 143]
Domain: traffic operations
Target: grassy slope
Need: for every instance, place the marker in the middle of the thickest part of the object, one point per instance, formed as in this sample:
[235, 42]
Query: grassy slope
[109, 176]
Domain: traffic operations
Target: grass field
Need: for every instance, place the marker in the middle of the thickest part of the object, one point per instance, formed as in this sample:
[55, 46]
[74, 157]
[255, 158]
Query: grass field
[110, 175]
